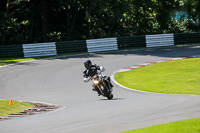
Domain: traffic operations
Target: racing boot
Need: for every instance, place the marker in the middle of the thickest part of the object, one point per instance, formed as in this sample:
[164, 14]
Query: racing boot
[94, 89]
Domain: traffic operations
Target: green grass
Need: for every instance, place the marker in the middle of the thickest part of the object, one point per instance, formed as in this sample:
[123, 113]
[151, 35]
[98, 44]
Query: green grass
[16, 107]
[5, 61]
[186, 126]
[172, 77]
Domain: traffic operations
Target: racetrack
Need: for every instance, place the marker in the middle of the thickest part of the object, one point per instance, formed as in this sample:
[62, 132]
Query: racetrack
[59, 81]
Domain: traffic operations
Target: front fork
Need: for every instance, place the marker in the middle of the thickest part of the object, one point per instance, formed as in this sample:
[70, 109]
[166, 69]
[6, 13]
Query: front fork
[104, 85]
[99, 87]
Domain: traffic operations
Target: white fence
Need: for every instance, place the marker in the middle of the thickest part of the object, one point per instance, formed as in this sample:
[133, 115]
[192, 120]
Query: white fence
[39, 49]
[95, 45]
[159, 40]
[105, 44]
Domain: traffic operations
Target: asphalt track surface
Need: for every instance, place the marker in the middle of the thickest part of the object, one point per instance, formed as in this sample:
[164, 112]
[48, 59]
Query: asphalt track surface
[59, 81]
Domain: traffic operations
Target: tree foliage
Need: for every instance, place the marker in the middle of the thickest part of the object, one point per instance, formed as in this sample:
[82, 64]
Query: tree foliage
[31, 21]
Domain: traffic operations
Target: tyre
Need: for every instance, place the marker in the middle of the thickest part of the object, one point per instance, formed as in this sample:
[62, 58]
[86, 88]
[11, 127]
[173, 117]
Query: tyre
[110, 96]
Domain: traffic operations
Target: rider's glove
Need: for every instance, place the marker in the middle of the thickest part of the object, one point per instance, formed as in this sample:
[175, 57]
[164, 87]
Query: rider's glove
[86, 79]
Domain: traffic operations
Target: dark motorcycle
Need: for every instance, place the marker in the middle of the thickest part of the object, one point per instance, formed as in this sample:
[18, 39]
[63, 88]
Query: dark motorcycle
[103, 85]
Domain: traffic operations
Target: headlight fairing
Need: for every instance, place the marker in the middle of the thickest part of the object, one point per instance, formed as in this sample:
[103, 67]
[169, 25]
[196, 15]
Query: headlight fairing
[96, 81]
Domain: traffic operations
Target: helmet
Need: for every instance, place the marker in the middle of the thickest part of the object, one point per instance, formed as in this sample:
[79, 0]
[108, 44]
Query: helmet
[87, 64]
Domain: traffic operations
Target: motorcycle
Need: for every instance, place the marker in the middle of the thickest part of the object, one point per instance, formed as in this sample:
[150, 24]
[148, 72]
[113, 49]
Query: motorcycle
[103, 85]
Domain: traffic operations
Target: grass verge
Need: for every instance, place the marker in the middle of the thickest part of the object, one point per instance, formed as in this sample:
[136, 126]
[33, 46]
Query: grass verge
[172, 77]
[5, 61]
[16, 107]
[186, 126]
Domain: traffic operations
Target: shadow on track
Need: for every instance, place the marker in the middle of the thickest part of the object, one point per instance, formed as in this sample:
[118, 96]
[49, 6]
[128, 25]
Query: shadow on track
[174, 51]
[112, 99]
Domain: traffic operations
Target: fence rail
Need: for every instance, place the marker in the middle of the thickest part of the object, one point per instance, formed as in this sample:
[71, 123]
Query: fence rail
[105, 44]
[185, 38]
[130, 42]
[95, 45]
[11, 51]
[71, 46]
[39, 49]
[159, 40]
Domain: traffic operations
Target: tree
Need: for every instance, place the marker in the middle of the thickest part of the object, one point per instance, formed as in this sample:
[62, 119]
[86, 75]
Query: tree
[4, 10]
[163, 12]
[44, 19]
[193, 7]
[103, 18]
[32, 21]
[9, 26]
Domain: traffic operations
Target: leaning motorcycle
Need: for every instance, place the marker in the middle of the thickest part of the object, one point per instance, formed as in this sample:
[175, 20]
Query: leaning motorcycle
[103, 85]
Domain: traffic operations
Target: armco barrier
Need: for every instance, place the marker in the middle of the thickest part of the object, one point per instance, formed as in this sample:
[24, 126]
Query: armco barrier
[71, 46]
[105, 44]
[130, 42]
[39, 49]
[159, 40]
[185, 38]
[94, 45]
[11, 51]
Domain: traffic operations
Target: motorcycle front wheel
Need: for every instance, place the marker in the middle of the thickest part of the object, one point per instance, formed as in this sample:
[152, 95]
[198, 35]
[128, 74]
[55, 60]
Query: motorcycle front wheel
[110, 96]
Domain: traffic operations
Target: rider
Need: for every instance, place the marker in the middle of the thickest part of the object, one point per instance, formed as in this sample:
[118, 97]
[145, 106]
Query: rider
[91, 70]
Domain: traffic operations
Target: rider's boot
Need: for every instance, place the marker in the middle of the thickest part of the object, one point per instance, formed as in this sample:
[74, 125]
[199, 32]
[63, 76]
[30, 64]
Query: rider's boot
[99, 93]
